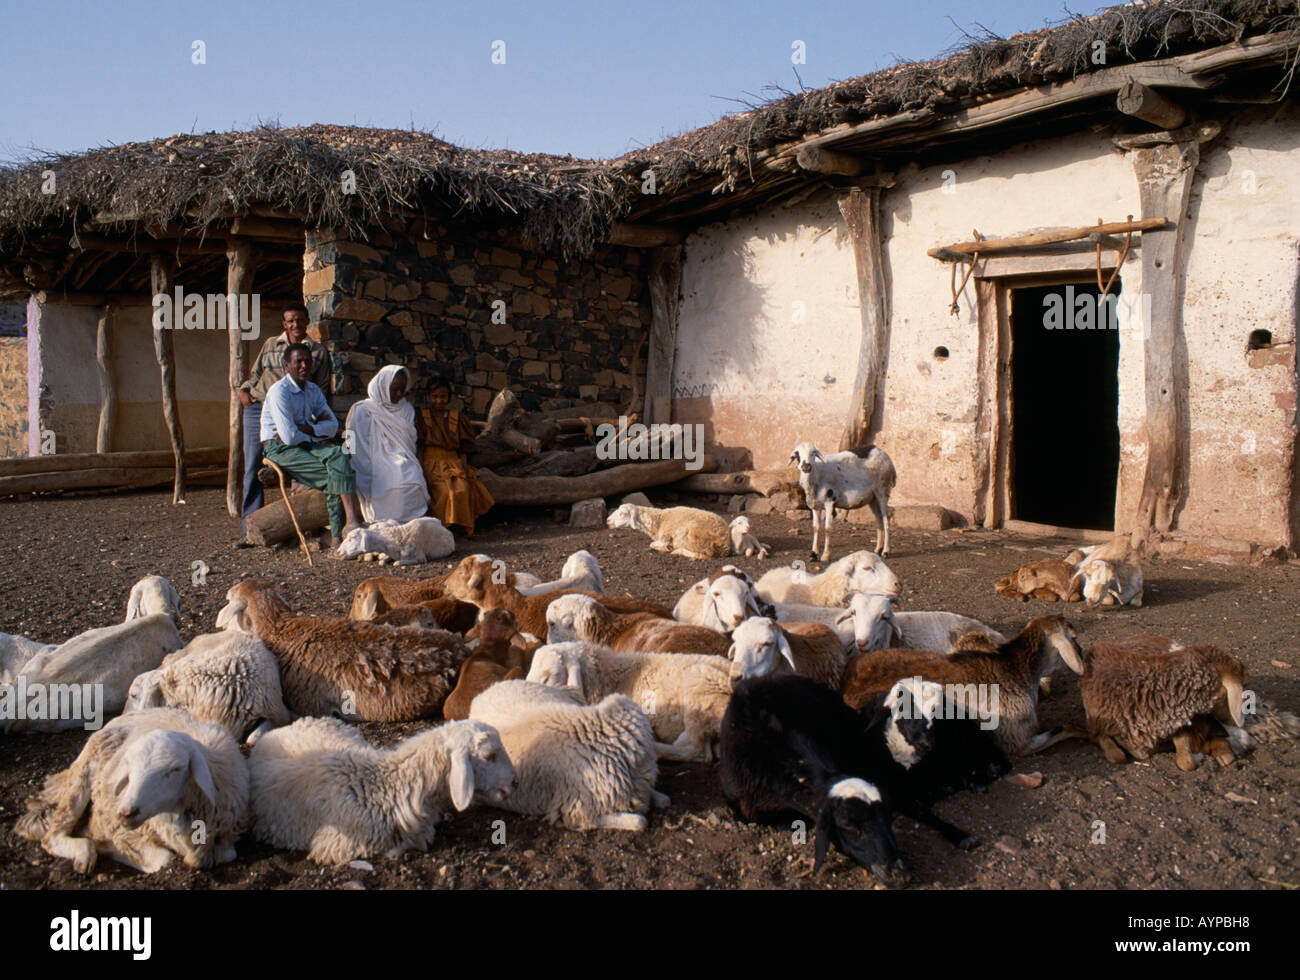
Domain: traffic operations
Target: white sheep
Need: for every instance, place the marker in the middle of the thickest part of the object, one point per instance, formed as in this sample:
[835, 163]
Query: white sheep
[15, 652]
[877, 626]
[760, 646]
[683, 695]
[230, 678]
[860, 571]
[318, 786]
[846, 480]
[413, 543]
[581, 571]
[102, 662]
[158, 783]
[743, 541]
[721, 601]
[685, 531]
[591, 767]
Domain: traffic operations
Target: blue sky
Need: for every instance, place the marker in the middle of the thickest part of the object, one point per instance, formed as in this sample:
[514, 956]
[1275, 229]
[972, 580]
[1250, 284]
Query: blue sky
[594, 79]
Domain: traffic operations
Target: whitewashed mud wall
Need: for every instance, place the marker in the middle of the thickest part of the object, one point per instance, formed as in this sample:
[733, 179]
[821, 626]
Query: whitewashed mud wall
[760, 381]
[63, 381]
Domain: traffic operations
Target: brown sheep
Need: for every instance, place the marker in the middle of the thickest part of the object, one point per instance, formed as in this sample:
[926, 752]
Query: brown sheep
[378, 595]
[486, 665]
[444, 614]
[581, 617]
[1008, 678]
[360, 671]
[1050, 581]
[1145, 690]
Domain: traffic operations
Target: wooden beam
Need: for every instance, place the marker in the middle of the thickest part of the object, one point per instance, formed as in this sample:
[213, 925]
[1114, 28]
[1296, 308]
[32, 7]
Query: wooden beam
[1145, 103]
[665, 280]
[107, 389]
[239, 281]
[823, 161]
[59, 462]
[1199, 133]
[117, 479]
[861, 212]
[1164, 176]
[988, 245]
[268, 228]
[550, 491]
[642, 236]
[160, 284]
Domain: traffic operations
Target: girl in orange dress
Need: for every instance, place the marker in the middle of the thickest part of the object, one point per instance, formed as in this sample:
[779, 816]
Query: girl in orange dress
[445, 439]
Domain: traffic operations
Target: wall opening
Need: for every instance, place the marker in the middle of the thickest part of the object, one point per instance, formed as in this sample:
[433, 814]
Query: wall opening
[1064, 396]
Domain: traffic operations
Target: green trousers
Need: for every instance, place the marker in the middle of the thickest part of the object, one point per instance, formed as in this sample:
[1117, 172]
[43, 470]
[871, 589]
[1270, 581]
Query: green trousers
[321, 466]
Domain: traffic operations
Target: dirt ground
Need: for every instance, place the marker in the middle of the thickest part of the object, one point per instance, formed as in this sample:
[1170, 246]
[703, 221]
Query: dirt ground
[71, 562]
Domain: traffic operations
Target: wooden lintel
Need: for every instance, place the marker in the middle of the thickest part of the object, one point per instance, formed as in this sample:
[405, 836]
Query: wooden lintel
[1145, 103]
[1196, 133]
[989, 245]
[268, 228]
[822, 161]
[643, 236]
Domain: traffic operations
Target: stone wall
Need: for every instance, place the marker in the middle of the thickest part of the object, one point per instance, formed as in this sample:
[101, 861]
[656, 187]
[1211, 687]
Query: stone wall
[480, 310]
[13, 396]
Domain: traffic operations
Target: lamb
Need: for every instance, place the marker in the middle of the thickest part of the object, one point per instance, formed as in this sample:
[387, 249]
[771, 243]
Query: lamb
[686, 531]
[721, 601]
[151, 595]
[103, 660]
[413, 543]
[791, 750]
[760, 646]
[318, 786]
[15, 651]
[1003, 684]
[589, 767]
[228, 678]
[846, 480]
[1050, 581]
[474, 580]
[158, 783]
[877, 625]
[446, 613]
[488, 664]
[743, 541]
[378, 595]
[581, 571]
[1141, 691]
[359, 670]
[684, 695]
[579, 617]
[861, 571]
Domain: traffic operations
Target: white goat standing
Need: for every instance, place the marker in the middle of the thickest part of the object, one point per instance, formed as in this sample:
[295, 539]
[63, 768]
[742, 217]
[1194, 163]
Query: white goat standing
[847, 480]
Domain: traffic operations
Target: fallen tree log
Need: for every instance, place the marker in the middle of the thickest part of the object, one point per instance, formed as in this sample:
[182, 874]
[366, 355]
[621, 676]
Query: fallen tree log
[62, 462]
[545, 491]
[272, 524]
[114, 478]
[745, 481]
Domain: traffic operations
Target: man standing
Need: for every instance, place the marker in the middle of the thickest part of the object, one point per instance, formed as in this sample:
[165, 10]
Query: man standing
[267, 370]
[295, 420]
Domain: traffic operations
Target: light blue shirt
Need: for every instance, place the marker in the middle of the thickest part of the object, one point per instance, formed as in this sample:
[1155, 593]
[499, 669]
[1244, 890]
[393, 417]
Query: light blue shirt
[287, 404]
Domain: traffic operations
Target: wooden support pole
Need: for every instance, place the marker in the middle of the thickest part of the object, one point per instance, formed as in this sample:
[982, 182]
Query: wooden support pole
[1164, 175]
[160, 284]
[107, 390]
[665, 280]
[861, 211]
[1145, 103]
[239, 281]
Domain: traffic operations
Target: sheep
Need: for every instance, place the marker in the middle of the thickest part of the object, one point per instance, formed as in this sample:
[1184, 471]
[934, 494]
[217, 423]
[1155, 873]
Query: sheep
[861, 571]
[684, 695]
[413, 543]
[877, 625]
[228, 678]
[581, 571]
[1003, 683]
[488, 664]
[686, 531]
[1144, 690]
[476, 580]
[590, 767]
[790, 750]
[846, 480]
[417, 616]
[102, 661]
[1111, 574]
[359, 670]
[374, 596]
[318, 786]
[579, 617]
[743, 541]
[760, 646]
[446, 613]
[1050, 581]
[15, 651]
[158, 783]
[721, 601]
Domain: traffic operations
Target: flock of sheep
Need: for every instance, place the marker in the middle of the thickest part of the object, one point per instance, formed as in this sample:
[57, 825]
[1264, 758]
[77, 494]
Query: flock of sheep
[819, 699]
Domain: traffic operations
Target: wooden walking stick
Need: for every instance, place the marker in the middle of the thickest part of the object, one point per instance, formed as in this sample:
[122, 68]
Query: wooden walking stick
[285, 494]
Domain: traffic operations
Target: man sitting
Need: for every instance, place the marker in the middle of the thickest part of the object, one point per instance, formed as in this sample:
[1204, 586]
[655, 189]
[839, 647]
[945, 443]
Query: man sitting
[295, 420]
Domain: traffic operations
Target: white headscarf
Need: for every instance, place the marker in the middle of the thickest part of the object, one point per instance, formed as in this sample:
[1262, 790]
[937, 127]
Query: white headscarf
[390, 482]
[389, 421]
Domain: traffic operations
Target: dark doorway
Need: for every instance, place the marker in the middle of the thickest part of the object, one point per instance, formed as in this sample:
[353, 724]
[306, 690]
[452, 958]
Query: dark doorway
[1064, 405]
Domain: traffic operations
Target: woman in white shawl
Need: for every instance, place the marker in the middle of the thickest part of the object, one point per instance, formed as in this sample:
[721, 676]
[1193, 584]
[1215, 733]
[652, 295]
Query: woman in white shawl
[381, 438]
